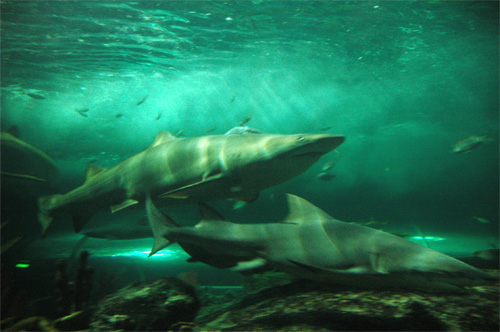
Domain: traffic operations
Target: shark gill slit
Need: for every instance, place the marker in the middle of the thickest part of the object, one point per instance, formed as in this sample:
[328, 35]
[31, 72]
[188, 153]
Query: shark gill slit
[329, 239]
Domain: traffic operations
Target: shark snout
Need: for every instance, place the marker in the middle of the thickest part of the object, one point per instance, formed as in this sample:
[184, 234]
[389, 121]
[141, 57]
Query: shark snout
[317, 145]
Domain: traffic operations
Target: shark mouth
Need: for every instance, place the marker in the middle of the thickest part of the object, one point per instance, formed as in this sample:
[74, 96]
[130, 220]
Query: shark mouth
[308, 154]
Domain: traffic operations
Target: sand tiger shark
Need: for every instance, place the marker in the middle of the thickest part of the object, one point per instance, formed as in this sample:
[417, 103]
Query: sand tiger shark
[23, 162]
[309, 243]
[185, 170]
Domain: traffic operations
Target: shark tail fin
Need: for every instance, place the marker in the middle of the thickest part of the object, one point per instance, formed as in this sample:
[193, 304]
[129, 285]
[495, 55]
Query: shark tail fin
[45, 205]
[160, 225]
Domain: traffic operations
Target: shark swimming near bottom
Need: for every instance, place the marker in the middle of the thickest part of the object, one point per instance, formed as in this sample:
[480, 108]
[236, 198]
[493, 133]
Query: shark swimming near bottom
[310, 244]
[177, 170]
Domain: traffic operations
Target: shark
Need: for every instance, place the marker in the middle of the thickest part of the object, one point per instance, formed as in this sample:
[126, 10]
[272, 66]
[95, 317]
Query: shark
[469, 143]
[23, 164]
[311, 244]
[174, 170]
[120, 233]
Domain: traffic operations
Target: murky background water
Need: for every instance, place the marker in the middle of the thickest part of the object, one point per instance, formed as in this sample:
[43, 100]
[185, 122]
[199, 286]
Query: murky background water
[402, 80]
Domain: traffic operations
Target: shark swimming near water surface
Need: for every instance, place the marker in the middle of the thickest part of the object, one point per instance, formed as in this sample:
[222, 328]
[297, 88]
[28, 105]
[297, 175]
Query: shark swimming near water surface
[185, 170]
[310, 244]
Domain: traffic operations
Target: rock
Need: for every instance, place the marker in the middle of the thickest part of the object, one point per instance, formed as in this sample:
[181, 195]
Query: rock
[309, 306]
[76, 321]
[148, 306]
[37, 323]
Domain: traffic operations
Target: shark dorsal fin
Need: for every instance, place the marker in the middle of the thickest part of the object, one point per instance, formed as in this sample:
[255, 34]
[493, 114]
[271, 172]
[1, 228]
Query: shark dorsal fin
[163, 137]
[301, 211]
[208, 213]
[93, 170]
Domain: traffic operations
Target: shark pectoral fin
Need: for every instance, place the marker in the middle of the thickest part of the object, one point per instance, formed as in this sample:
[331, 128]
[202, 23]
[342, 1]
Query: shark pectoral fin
[123, 205]
[251, 266]
[196, 189]
[306, 266]
[23, 176]
[359, 270]
[208, 213]
[201, 254]
[160, 225]
[248, 197]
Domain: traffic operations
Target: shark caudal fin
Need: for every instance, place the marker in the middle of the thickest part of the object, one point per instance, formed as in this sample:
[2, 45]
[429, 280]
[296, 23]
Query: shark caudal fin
[46, 205]
[160, 225]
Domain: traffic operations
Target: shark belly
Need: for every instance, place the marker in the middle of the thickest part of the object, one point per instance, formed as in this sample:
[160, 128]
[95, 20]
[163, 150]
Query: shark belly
[221, 238]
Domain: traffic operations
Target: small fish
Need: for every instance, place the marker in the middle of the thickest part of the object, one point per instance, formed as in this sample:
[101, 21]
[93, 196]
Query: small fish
[232, 99]
[481, 220]
[158, 116]
[469, 143]
[142, 100]
[325, 176]
[211, 129]
[325, 128]
[34, 96]
[373, 223]
[242, 130]
[245, 120]
[490, 254]
[82, 112]
[328, 166]
[119, 115]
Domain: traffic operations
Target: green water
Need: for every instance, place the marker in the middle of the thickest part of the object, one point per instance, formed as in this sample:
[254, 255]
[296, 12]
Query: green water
[402, 80]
